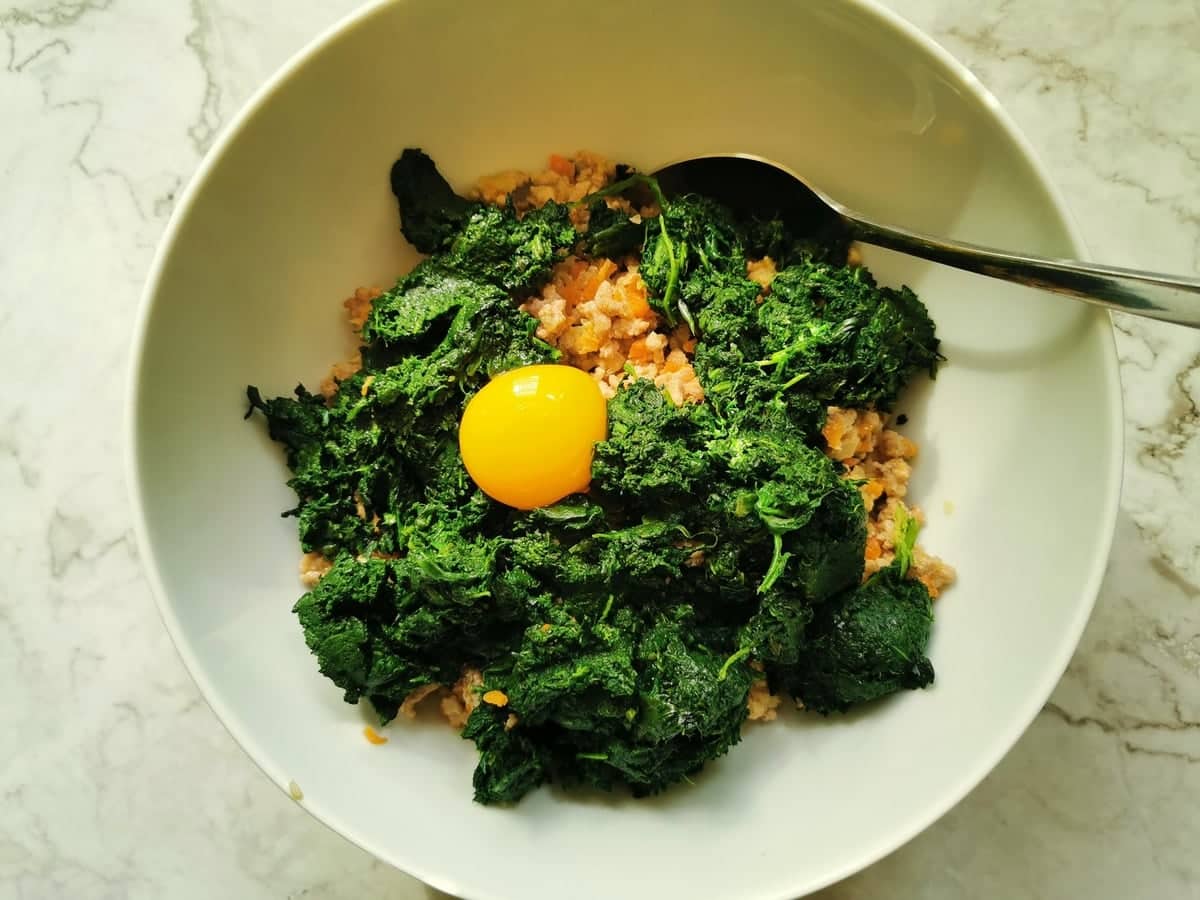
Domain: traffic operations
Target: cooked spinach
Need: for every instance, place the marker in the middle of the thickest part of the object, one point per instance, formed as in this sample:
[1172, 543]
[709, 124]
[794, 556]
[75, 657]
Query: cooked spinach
[431, 213]
[618, 631]
[867, 643]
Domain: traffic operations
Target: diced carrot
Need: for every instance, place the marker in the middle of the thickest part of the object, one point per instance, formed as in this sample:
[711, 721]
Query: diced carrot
[834, 430]
[638, 351]
[585, 338]
[598, 277]
[572, 291]
[874, 550]
[562, 165]
[635, 296]
[374, 736]
[872, 490]
[572, 288]
[496, 698]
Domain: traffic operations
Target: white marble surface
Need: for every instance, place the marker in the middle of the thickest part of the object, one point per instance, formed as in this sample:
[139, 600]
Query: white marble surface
[115, 778]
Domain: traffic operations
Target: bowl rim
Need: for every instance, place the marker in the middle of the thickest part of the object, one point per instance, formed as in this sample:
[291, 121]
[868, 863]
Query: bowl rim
[950, 796]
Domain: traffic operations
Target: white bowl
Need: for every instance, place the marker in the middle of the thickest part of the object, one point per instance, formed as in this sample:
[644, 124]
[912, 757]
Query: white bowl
[1021, 437]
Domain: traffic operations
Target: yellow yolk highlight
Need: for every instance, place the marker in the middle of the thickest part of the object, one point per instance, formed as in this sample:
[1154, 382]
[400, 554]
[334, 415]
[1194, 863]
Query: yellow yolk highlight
[526, 438]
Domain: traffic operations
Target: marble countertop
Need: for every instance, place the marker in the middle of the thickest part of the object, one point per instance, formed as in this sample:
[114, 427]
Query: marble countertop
[115, 778]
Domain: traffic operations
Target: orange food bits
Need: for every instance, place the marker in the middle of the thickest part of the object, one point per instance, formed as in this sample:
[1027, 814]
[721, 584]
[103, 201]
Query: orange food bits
[676, 361]
[639, 306]
[374, 736]
[597, 278]
[872, 490]
[931, 585]
[638, 351]
[562, 166]
[496, 698]
[834, 428]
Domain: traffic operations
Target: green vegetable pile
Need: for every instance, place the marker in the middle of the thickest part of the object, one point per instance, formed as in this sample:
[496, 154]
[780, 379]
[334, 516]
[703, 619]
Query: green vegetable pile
[716, 546]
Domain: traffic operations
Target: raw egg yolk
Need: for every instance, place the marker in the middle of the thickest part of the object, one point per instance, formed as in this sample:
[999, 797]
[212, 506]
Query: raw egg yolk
[526, 438]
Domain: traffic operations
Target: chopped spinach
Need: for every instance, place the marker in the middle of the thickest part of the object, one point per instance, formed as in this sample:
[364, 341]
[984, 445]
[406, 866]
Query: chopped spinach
[431, 214]
[867, 643]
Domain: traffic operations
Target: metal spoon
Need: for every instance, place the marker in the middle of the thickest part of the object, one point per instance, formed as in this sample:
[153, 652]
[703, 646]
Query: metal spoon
[753, 184]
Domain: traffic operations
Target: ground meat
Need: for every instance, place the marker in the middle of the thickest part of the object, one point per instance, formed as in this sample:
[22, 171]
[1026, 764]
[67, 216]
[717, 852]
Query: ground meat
[462, 698]
[313, 567]
[563, 181]
[358, 307]
[934, 573]
[409, 707]
[597, 313]
[762, 272]
[455, 702]
[762, 702]
[881, 458]
[851, 434]
[338, 373]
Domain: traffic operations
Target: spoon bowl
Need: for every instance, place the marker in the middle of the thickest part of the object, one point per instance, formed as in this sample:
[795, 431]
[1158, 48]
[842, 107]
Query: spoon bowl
[754, 186]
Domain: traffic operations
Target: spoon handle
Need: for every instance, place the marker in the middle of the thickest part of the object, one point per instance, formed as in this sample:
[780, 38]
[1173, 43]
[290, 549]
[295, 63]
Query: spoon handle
[1151, 294]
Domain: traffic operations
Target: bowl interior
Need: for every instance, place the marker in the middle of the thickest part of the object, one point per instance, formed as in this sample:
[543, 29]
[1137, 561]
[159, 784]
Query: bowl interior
[293, 212]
